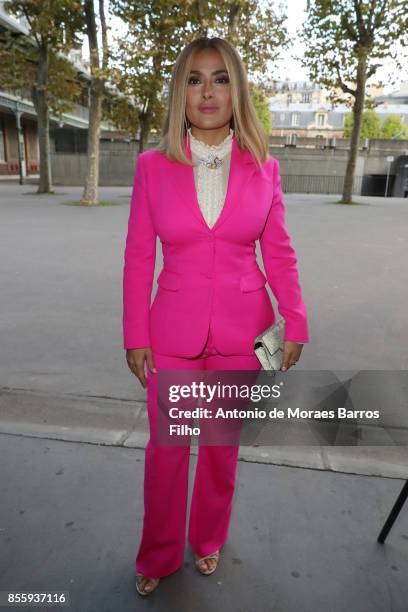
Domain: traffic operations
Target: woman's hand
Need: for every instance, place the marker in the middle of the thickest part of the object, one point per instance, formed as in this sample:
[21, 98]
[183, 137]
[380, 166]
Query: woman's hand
[291, 354]
[135, 359]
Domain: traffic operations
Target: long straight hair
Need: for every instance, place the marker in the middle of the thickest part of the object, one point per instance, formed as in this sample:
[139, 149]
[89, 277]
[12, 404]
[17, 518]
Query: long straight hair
[247, 128]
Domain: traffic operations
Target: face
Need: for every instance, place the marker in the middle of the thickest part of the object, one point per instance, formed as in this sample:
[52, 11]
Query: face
[208, 103]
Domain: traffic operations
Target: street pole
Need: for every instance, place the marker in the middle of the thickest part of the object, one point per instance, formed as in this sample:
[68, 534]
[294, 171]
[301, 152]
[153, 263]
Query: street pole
[388, 178]
[390, 159]
[20, 145]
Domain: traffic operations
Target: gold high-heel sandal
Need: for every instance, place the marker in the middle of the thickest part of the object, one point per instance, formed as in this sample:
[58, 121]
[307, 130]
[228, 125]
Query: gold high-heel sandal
[215, 555]
[142, 591]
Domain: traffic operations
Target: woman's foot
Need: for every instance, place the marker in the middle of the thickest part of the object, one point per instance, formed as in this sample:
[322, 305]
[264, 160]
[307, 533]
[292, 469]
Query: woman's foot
[146, 585]
[208, 564]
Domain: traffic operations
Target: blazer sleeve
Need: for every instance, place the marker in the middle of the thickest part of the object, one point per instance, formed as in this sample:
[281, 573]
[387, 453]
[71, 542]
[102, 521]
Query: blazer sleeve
[280, 259]
[139, 264]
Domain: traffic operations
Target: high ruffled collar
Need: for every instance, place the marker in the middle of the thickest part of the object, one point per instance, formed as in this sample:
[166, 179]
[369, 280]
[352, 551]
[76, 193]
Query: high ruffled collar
[202, 148]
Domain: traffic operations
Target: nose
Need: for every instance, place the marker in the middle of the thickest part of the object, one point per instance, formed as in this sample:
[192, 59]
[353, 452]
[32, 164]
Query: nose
[207, 91]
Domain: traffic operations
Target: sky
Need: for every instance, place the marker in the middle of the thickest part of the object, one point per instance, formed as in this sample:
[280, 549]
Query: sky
[288, 65]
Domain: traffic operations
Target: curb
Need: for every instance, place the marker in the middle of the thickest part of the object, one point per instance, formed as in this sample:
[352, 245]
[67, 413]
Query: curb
[124, 423]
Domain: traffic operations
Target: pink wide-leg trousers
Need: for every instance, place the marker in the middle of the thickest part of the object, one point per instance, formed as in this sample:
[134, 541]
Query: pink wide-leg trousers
[161, 550]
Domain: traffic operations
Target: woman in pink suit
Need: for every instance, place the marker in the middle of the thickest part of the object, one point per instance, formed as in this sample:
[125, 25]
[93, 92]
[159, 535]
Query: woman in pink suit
[209, 190]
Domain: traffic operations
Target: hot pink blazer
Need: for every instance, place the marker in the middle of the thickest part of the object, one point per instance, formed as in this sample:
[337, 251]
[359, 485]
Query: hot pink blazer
[208, 275]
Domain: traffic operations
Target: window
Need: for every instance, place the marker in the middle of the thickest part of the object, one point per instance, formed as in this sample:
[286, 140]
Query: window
[70, 140]
[321, 119]
[295, 118]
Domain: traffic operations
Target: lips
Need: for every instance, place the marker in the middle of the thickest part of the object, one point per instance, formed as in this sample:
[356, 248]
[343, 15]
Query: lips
[208, 109]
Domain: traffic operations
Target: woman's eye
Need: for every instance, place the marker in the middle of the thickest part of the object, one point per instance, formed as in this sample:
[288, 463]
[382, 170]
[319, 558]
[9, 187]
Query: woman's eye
[224, 79]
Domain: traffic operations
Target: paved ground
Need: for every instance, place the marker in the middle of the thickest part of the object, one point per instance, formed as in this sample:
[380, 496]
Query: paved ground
[300, 539]
[73, 420]
[61, 270]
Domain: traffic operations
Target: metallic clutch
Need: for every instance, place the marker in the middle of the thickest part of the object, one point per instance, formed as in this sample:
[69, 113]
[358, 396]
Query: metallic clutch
[268, 346]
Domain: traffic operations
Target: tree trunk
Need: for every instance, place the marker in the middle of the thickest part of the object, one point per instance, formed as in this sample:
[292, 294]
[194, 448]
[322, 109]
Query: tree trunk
[39, 97]
[144, 129]
[90, 193]
[358, 108]
[96, 96]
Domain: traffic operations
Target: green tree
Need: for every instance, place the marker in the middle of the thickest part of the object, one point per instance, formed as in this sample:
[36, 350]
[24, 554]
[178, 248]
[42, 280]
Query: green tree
[394, 127]
[346, 41]
[262, 108]
[370, 125]
[158, 30]
[38, 61]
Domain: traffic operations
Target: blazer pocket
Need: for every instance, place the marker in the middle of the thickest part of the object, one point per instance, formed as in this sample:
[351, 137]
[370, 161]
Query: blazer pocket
[169, 280]
[253, 280]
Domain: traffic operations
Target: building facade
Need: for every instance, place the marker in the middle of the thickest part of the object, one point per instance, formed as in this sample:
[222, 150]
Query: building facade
[19, 150]
[304, 110]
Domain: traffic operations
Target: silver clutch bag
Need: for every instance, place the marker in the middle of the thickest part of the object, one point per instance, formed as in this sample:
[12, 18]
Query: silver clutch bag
[268, 346]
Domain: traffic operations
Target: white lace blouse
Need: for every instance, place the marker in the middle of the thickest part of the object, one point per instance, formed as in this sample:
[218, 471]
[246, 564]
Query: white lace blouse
[211, 183]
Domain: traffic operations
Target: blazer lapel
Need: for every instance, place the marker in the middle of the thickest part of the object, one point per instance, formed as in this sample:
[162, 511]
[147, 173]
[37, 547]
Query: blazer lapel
[242, 168]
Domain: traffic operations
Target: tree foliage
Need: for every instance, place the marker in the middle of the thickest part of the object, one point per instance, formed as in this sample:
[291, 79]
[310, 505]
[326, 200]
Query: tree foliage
[262, 108]
[338, 33]
[54, 27]
[394, 127]
[346, 41]
[157, 31]
[370, 125]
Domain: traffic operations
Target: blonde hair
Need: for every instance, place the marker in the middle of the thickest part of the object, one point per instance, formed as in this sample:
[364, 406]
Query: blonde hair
[248, 129]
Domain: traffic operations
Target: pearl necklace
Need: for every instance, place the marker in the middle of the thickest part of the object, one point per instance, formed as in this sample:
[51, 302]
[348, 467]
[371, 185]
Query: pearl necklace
[211, 156]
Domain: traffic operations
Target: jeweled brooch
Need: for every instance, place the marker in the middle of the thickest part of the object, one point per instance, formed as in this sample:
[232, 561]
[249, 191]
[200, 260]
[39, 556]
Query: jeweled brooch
[210, 162]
